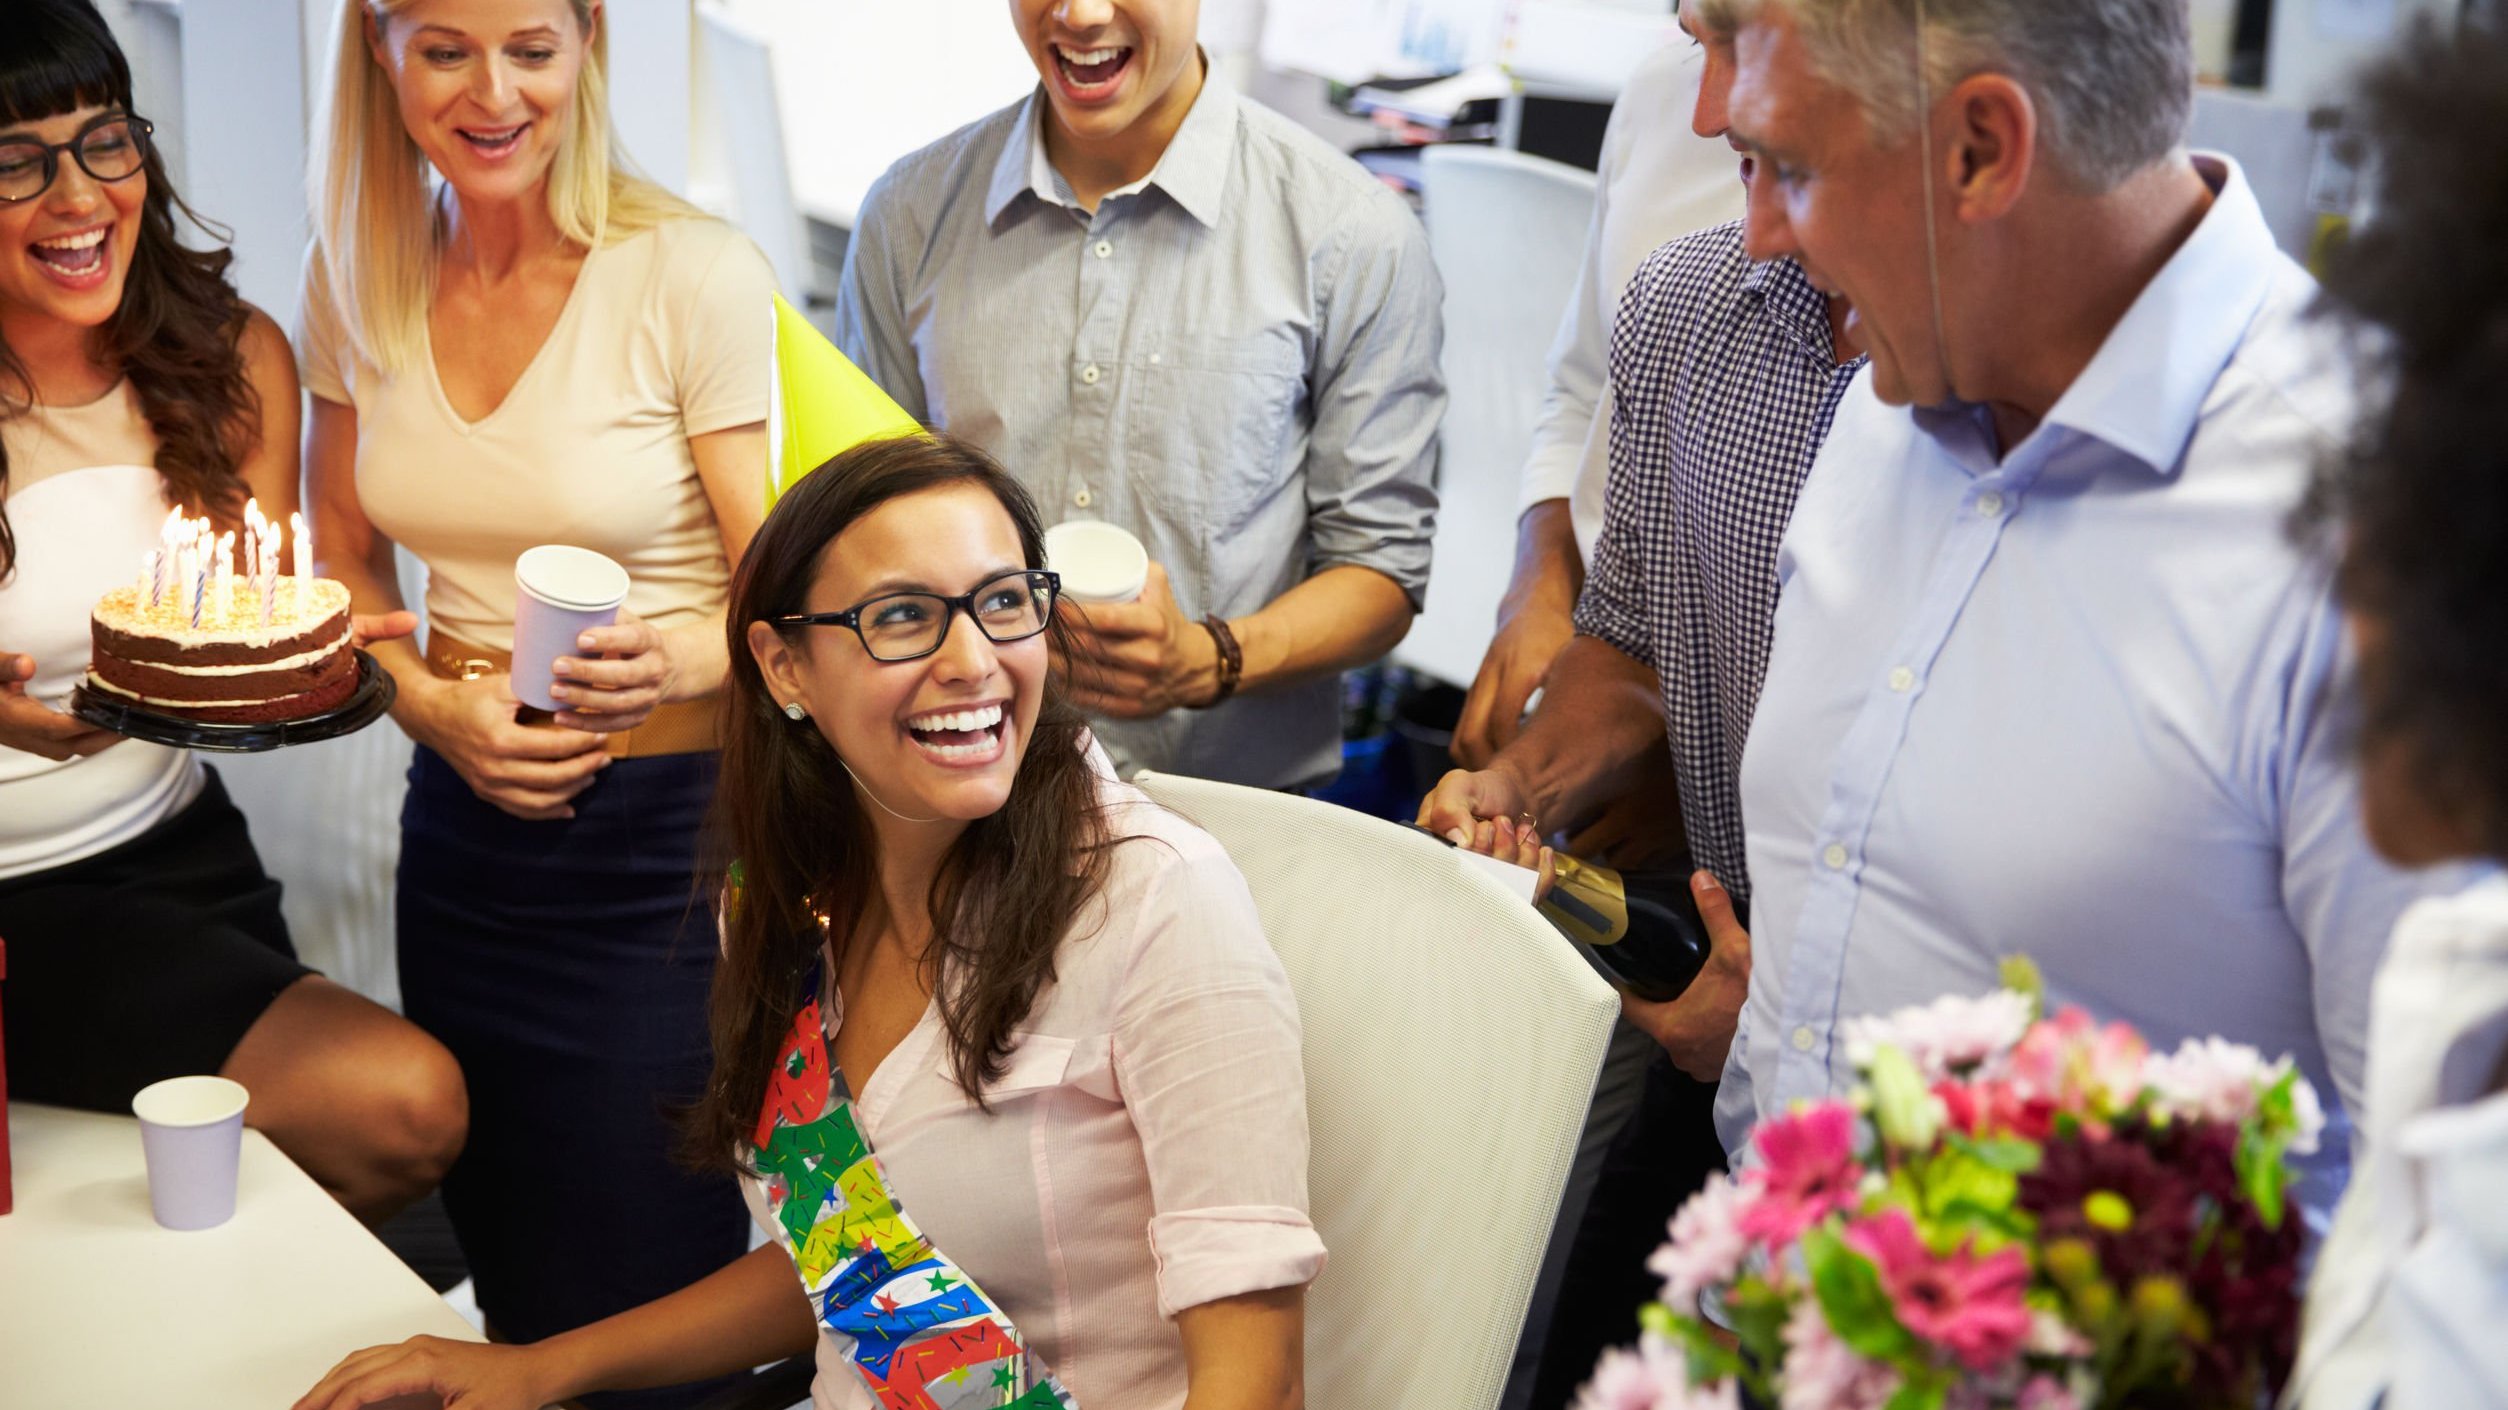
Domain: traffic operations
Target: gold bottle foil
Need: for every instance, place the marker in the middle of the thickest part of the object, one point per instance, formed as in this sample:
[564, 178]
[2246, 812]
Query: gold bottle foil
[1588, 901]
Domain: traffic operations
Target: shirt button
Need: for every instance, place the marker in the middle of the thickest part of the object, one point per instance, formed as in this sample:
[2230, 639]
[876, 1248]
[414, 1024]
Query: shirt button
[1081, 499]
[1902, 680]
[1805, 1040]
[1834, 856]
[1089, 374]
[1105, 249]
[1989, 504]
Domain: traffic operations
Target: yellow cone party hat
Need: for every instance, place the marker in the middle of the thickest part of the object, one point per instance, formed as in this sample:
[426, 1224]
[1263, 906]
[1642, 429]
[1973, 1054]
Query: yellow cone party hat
[822, 404]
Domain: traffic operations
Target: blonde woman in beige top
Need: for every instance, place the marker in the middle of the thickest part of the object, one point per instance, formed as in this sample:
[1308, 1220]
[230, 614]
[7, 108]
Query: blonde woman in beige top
[510, 340]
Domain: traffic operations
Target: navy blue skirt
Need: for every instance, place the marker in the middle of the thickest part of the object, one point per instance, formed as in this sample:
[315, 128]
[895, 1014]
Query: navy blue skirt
[566, 965]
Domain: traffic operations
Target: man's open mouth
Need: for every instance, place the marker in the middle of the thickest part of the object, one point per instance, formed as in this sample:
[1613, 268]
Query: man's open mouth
[1091, 68]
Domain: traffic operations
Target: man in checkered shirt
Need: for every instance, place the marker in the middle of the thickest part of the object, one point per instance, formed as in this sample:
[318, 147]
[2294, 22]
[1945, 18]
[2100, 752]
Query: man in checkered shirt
[1723, 377]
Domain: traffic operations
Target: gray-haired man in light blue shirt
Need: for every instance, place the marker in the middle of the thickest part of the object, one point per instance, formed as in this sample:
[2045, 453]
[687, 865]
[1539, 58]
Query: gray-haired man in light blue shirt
[1163, 306]
[2048, 674]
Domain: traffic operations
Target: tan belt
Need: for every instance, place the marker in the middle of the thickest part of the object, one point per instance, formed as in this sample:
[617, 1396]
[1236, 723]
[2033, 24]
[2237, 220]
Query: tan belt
[681, 727]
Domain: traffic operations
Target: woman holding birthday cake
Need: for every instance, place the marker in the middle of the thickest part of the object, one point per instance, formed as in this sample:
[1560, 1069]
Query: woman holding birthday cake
[511, 341]
[144, 938]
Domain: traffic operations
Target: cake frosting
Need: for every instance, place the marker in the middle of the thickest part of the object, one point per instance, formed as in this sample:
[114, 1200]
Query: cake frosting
[232, 668]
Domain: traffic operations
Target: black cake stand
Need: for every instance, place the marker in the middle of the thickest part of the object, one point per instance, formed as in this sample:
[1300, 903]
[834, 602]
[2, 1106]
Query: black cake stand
[363, 707]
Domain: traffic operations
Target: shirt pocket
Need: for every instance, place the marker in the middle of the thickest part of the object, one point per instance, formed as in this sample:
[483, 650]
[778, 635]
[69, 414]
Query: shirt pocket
[1040, 1063]
[1213, 420]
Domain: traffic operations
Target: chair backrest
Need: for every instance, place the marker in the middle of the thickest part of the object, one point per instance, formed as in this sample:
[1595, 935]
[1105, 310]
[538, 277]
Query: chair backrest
[1508, 232]
[1452, 1042]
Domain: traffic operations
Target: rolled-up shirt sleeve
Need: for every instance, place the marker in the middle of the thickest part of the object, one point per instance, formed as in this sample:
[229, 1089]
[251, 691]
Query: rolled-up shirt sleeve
[1206, 1054]
[1379, 392]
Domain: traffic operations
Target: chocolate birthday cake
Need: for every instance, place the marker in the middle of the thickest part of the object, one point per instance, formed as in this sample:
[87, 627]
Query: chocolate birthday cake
[229, 659]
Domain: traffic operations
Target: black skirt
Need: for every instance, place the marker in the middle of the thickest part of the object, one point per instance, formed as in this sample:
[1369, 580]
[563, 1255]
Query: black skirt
[145, 961]
[567, 964]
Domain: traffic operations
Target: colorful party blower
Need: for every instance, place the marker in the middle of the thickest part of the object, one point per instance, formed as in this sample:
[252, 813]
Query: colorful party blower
[822, 404]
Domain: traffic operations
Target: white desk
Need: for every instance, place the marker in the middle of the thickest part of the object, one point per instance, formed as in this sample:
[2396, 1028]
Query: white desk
[100, 1307]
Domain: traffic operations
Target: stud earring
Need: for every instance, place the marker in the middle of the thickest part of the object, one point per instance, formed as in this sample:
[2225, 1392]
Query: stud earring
[794, 711]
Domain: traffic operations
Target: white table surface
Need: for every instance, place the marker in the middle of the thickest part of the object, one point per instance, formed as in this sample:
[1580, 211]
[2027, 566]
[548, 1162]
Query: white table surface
[100, 1307]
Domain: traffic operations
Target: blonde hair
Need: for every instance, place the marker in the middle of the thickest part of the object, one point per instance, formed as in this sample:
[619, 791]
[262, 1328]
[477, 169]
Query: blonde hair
[376, 229]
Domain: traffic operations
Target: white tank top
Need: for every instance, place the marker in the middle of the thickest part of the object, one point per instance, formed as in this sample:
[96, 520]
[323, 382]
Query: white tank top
[85, 503]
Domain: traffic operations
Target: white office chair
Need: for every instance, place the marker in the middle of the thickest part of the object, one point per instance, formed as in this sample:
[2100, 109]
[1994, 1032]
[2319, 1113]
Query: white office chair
[1508, 233]
[1452, 1041]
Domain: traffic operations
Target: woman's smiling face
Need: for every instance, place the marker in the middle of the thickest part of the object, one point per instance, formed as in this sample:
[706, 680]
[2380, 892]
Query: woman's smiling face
[69, 249]
[939, 737]
[486, 87]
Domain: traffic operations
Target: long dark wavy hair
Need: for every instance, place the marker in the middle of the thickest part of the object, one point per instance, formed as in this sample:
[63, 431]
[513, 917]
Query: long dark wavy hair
[178, 332]
[2421, 493]
[1008, 892]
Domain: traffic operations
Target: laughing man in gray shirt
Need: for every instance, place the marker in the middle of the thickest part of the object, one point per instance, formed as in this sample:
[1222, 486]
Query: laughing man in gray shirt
[1164, 306]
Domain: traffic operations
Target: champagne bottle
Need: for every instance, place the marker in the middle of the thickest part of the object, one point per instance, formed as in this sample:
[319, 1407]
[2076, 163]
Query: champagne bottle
[1641, 929]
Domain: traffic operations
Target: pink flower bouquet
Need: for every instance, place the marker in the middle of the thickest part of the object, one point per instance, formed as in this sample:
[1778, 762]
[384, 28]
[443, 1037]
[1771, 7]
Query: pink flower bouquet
[2006, 1211]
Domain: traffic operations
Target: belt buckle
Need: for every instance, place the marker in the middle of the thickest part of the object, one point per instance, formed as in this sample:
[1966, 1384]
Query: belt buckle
[471, 668]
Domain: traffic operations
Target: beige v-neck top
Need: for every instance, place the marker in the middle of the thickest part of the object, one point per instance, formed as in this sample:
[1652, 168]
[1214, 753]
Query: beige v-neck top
[667, 335]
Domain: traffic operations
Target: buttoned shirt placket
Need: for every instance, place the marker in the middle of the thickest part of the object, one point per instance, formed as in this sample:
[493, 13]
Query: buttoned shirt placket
[1816, 973]
[1096, 362]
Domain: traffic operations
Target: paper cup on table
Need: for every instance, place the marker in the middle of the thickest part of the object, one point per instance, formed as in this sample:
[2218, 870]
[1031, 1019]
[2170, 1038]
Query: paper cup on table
[1099, 563]
[564, 592]
[192, 1130]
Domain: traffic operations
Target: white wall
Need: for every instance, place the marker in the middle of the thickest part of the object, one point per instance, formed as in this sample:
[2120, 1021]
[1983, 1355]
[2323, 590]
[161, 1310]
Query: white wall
[649, 85]
[861, 85]
[2317, 45]
[244, 123]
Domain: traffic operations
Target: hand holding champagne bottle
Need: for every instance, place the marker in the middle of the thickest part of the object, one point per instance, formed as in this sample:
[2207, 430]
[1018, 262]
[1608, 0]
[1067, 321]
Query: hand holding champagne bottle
[1680, 953]
[1640, 928]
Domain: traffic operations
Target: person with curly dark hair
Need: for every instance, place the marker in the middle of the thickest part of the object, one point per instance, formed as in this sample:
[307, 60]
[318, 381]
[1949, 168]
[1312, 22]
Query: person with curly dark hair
[145, 940]
[2412, 1289]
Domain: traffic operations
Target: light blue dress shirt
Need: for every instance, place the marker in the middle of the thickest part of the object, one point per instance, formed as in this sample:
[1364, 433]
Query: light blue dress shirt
[2074, 704]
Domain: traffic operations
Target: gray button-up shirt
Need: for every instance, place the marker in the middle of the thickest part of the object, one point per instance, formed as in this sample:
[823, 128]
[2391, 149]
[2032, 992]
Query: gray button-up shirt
[1236, 358]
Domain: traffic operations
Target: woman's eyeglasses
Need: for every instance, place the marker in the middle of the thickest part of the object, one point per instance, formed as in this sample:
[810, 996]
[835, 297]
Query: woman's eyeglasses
[112, 147]
[903, 626]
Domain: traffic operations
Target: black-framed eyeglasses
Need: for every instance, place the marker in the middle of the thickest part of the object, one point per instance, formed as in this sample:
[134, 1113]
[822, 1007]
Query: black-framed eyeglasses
[111, 147]
[903, 626]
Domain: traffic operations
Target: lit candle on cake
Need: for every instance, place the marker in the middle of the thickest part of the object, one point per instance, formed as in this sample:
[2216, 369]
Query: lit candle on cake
[304, 561]
[169, 559]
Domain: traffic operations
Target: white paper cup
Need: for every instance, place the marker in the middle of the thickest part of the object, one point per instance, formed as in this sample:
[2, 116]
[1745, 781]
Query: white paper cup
[1098, 562]
[192, 1131]
[564, 592]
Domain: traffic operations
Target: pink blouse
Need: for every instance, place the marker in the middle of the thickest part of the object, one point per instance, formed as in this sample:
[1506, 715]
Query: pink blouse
[1146, 1147]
